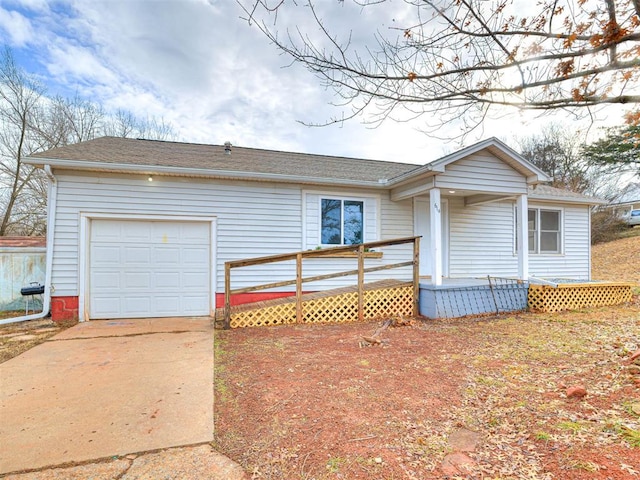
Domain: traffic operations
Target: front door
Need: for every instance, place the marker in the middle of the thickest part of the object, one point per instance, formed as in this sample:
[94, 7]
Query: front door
[421, 222]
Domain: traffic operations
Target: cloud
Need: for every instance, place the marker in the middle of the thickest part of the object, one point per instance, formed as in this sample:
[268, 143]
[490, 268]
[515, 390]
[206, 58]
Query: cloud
[16, 27]
[198, 65]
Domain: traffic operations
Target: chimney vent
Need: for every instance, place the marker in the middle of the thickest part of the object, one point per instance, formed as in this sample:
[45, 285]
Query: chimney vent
[227, 148]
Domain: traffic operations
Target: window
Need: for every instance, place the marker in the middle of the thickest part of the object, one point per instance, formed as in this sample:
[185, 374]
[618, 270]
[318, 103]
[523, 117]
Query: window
[544, 231]
[341, 221]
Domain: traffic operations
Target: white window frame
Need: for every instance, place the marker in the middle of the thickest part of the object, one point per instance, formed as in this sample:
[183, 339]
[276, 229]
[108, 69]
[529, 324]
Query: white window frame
[537, 251]
[342, 200]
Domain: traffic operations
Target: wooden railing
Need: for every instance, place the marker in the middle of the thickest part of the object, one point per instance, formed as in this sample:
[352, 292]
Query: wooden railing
[360, 250]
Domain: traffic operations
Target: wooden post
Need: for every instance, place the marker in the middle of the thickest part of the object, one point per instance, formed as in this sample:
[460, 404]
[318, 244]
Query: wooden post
[416, 276]
[299, 287]
[227, 296]
[360, 282]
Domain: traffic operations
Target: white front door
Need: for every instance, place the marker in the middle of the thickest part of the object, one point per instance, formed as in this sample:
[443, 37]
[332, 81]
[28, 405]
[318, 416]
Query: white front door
[422, 219]
[149, 269]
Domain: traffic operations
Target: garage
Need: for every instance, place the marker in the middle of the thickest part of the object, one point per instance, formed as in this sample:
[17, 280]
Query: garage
[143, 269]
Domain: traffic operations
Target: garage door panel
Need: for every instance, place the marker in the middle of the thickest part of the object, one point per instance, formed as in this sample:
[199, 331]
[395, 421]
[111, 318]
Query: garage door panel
[149, 268]
[168, 305]
[196, 234]
[136, 306]
[106, 306]
[165, 255]
[195, 255]
[166, 232]
[137, 280]
[135, 232]
[167, 279]
[106, 230]
[194, 280]
[137, 255]
[193, 303]
[105, 280]
[106, 255]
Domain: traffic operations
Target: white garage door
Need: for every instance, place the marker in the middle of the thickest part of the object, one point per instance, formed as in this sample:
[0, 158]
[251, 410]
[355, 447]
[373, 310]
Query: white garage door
[149, 269]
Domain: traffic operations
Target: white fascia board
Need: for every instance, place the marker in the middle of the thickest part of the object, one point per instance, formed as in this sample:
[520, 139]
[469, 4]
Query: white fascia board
[412, 189]
[197, 172]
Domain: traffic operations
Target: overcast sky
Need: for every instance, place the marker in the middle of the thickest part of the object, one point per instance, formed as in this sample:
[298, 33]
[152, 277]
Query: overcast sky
[199, 66]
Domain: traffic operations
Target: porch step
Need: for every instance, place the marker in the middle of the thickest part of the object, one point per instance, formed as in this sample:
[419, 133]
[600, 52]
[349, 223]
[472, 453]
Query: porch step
[381, 298]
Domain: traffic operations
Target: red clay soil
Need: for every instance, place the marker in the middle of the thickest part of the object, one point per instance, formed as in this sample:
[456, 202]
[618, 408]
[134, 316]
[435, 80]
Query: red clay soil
[310, 402]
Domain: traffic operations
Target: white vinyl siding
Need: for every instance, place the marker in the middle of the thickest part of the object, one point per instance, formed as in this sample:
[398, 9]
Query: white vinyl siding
[482, 172]
[258, 218]
[253, 219]
[482, 240]
[574, 260]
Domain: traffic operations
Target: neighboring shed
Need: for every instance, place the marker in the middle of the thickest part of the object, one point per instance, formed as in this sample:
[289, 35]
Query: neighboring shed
[22, 261]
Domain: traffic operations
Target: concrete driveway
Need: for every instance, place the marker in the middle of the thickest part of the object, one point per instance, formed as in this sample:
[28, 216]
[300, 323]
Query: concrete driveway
[107, 388]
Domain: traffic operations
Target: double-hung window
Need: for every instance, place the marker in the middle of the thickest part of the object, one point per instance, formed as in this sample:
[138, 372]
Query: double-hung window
[545, 230]
[341, 221]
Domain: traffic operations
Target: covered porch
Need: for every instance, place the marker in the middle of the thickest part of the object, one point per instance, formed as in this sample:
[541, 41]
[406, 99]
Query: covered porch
[470, 209]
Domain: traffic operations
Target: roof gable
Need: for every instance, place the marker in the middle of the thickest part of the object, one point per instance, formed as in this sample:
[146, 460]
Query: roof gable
[493, 146]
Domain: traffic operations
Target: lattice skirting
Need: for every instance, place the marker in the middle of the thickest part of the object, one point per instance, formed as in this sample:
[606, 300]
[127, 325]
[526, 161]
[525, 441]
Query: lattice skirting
[331, 309]
[545, 298]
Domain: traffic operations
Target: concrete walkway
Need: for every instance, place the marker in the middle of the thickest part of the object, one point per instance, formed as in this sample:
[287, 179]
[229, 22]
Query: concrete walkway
[107, 388]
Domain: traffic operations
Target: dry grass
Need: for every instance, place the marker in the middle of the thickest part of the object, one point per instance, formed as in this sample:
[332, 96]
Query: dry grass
[618, 260]
[17, 338]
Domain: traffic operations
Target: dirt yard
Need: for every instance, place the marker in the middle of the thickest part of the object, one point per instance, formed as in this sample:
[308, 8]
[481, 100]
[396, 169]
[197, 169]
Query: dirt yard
[484, 398]
[308, 402]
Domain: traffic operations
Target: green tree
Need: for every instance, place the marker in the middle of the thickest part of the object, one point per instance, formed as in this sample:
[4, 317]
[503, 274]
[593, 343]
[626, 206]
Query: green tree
[618, 151]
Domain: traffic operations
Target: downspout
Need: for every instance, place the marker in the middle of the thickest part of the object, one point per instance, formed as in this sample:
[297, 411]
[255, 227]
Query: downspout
[51, 224]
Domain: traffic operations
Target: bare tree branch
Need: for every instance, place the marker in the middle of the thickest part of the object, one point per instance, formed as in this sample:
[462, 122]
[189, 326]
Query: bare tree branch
[32, 122]
[463, 58]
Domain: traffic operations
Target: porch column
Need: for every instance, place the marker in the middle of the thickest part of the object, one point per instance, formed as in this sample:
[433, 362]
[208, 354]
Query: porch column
[436, 236]
[523, 237]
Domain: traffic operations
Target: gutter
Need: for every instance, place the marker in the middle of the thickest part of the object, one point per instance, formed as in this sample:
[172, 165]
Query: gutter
[51, 224]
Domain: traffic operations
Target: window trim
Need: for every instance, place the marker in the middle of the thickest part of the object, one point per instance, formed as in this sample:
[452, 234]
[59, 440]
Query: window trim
[538, 230]
[342, 200]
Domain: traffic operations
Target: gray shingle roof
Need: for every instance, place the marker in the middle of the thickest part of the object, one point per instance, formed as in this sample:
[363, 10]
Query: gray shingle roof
[546, 192]
[149, 156]
[150, 153]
